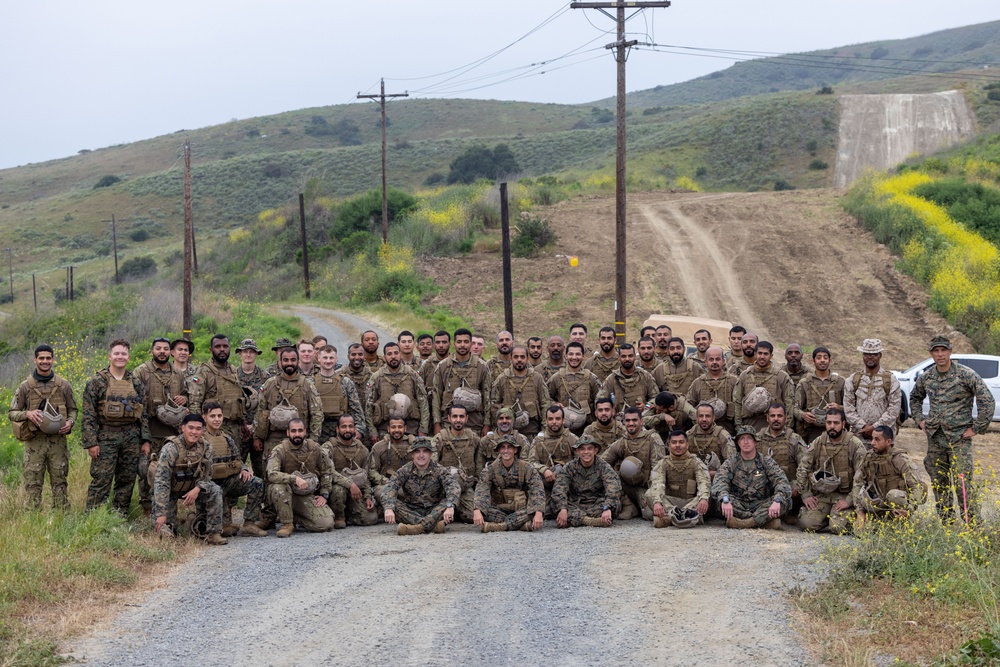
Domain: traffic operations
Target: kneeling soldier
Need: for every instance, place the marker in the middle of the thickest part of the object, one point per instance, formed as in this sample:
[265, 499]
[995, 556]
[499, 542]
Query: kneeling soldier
[681, 483]
[350, 458]
[233, 477]
[429, 493]
[510, 494]
[751, 489]
[886, 483]
[826, 477]
[587, 491]
[183, 472]
[299, 476]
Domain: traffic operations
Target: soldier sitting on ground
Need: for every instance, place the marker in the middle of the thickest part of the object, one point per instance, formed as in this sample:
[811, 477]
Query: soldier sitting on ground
[351, 499]
[825, 476]
[300, 476]
[509, 494]
[234, 478]
[751, 490]
[634, 457]
[679, 486]
[387, 456]
[886, 484]
[587, 491]
[504, 428]
[422, 494]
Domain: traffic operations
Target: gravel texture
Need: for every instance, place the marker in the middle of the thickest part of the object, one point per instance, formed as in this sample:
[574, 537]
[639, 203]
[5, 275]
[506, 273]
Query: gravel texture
[340, 328]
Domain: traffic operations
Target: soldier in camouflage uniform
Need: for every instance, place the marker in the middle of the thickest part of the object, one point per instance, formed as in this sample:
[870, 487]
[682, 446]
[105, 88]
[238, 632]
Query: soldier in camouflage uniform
[234, 478]
[504, 429]
[786, 447]
[43, 451]
[574, 386]
[551, 450]
[668, 412]
[628, 385]
[646, 349]
[606, 427]
[278, 346]
[509, 493]
[735, 343]
[357, 372]
[708, 441]
[605, 360]
[395, 378]
[460, 450]
[793, 367]
[751, 490]
[300, 476]
[337, 393]
[872, 397]
[645, 445]
[422, 494]
[183, 472]
[164, 384]
[221, 384]
[181, 351]
[251, 376]
[702, 341]
[748, 343]
[678, 371]
[387, 456]
[369, 341]
[501, 361]
[442, 350]
[814, 393]
[463, 370]
[425, 350]
[523, 390]
[834, 455]
[662, 336]
[886, 483]
[763, 374]
[406, 344]
[587, 491]
[715, 386]
[307, 357]
[353, 502]
[952, 389]
[679, 480]
[578, 334]
[114, 427]
[555, 361]
[535, 356]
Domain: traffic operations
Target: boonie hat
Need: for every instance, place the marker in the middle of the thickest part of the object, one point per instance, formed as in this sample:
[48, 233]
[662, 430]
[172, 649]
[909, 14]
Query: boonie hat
[248, 344]
[282, 343]
[871, 346]
[421, 443]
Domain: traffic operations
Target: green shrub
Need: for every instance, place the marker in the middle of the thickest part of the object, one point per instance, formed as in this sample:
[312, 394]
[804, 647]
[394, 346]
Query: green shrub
[480, 162]
[825, 90]
[974, 205]
[355, 215]
[818, 165]
[107, 181]
[993, 95]
[532, 235]
[137, 268]
[782, 184]
[139, 235]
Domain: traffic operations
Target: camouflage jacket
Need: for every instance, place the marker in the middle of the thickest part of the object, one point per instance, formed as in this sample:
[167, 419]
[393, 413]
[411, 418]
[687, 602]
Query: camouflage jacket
[705, 387]
[683, 413]
[602, 367]
[360, 380]
[812, 392]
[301, 393]
[791, 447]
[488, 444]
[866, 400]
[422, 488]
[375, 399]
[952, 395]
[387, 457]
[565, 385]
[25, 398]
[254, 379]
[635, 390]
[658, 478]
[167, 462]
[754, 377]
[495, 478]
[885, 472]
[645, 446]
[497, 366]
[351, 457]
[677, 378]
[597, 485]
[605, 435]
[463, 451]
[287, 459]
[547, 450]
[510, 391]
[160, 385]
[751, 481]
[705, 443]
[844, 459]
[93, 394]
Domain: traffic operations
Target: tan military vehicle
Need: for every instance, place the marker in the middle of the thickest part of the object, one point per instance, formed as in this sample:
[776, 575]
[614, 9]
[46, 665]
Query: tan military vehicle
[684, 326]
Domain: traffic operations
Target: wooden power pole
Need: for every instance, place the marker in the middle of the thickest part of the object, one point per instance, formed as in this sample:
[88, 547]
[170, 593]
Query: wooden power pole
[305, 246]
[187, 324]
[114, 244]
[10, 266]
[385, 203]
[620, 47]
[508, 295]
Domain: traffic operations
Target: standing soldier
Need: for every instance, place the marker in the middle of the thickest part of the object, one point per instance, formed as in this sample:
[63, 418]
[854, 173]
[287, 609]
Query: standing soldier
[751, 490]
[586, 491]
[628, 386]
[735, 343]
[551, 449]
[679, 481]
[825, 476]
[233, 477]
[422, 494]
[279, 345]
[633, 457]
[478, 345]
[786, 447]
[886, 483]
[647, 354]
[949, 426]
[605, 360]
[181, 350]
[578, 334]
[872, 396]
[760, 386]
[702, 341]
[509, 493]
[711, 443]
[425, 349]
[576, 388]
[748, 344]
[501, 360]
[460, 449]
[252, 377]
[463, 379]
[662, 336]
[606, 428]
[535, 357]
[351, 491]
[815, 393]
[442, 348]
[222, 385]
[307, 357]
[387, 456]
[382, 396]
[406, 346]
[715, 387]
[357, 372]
[677, 372]
[793, 367]
[369, 342]
[299, 477]
[164, 389]
[504, 429]
[114, 428]
[42, 412]
[183, 472]
[523, 390]
[555, 361]
[337, 393]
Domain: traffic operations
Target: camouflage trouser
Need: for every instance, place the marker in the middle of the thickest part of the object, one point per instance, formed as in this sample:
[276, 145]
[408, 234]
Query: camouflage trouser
[758, 510]
[513, 518]
[466, 505]
[301, 510]
[427, 517]
[673, 501]
[944, 462]
[117, 462]
[208, 505]
[823, 516]
[634, 503]
[41, 453]
[268, 512]
[577, 512]
[353, 510]
[233, 487]
[145, 490]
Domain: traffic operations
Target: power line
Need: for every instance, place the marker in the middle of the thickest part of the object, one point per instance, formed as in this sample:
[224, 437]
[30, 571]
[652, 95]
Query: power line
[830, 55]
[518, 77]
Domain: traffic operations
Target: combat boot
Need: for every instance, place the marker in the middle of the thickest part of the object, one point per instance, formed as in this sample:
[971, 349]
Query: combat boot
[250, 529]
[773, 524]
[166, 532]
[266, 524]
[660, 522]
[595, 522]
[490, 527]
[339, 521]
[410, 529]
[527, 527]
[733, 522]
[439, 528]
[229, 530]
[286, 530]
[215, 539]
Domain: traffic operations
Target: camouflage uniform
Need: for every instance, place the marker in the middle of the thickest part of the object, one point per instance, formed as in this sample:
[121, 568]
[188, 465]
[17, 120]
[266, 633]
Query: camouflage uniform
[778, 386]
[378, 363]
[605, 435]
[797, 377]
[451, 374]
[705, 443]
[629, 391]
[872, 399]
[286, 459]
[384, 460]
[350, 462]
[586, 491]
[602, 367]
[646, 446]
[427, 374]
[579, 390]
[161, 384]
[227, 466]
[179, 469]
[255, 380]
[547, 370]
[679, 481]
[706, 387]
[42, 451]
[736, 365]
[882, 473]
[677, 378]
[843, 461]
[463, 455]
[752, 486]
[948, 454]
[377, 394]
[683, 413]
[813, 394]
[221, 383]
[192, 382]
[497, 366]
[118, 426]
[786, 449]
[421, 497]
[339, 396]
[300, 393]
[509, 495]
[527, 393]
[488, 443]
[360, 380]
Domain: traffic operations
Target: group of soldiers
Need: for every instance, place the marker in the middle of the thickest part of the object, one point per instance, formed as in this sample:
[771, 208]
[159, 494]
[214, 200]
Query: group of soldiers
[422, 431]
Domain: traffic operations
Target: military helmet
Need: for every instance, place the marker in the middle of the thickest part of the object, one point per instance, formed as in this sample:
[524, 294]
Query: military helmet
[746, 430]
[421, 443]
[718, 407]
[685, 518]
[757, 400]
[171, 414]
[824, 481]
[52, 421]
[897, 498]
[573, 417]
[712, 461]
[399, 406]
[587, 440]
[312, 483]
[631, 471]
[253, 398]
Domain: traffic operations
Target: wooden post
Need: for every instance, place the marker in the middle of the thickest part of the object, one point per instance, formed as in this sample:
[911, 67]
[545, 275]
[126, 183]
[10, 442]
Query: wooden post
[34, 293]
[114, 242]
[305, 246]
[508, 295]
[188, 321]
[385, 205]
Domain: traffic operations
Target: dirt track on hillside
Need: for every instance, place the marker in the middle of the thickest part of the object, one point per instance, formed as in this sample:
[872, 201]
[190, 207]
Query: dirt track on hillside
[792, 264]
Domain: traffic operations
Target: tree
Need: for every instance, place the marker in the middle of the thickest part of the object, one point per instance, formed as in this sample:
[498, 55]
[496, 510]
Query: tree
[480, 162]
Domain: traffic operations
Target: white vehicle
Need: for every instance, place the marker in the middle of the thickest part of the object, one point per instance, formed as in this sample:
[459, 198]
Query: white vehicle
[987, 366]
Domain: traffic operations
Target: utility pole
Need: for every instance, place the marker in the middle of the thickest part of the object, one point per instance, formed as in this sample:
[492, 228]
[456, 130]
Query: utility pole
[385, 204]
[34, 293]
[620, 47]
[508, 295]
[305, 246]
[72, 289]
[67, 283]
[114, 243]
[10, 266]
[187, 324]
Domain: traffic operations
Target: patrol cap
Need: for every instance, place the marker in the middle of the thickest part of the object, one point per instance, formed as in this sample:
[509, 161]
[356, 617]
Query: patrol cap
[248, 344]
[587, 440]
[421, 443]
[190, 343]
[940, 341]
[282, 343]
[746, 430]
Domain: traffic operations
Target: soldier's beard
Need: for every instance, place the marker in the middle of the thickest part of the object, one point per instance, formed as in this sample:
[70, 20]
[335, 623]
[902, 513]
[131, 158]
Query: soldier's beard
[297, 441]
[505, 428]
[834, 433]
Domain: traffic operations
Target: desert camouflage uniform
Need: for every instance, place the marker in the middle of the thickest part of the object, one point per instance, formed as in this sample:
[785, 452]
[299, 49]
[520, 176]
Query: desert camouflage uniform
[427, 374]
[948, 454]
[233, 487]
[605, 435]
[677, 378]
[197, 462]
[646, 446]
[795, 377]
[705, 388]
[119, 441]
[451, 374]
[350, 461]
[814, 394]
[463, 456]
[160, 385]
[497, 366]
[586, 491]
[752, 486]
[488, 444]
[384, 460]
[748, 381]
[496, 507]
[602, 367]
[786, 449]
[679, 481]
[421, 497]
[309, 457]
[360, 380]
[528, 393]
[375, 365]
[633, 391]
[376, 400]
[328, 388]
[883, 473]
[44, 452]
[736, 365]
[301, 393]
[844, 459]
[866, 400]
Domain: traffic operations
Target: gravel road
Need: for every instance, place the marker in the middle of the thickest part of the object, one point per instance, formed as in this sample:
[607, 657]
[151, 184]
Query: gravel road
[341, 329]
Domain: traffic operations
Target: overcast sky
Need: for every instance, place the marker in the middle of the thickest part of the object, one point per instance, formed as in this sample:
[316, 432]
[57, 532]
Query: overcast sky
[91, 74]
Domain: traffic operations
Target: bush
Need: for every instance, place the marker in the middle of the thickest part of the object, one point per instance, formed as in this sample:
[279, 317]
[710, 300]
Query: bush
[139, 235]
[137, 268]
[355, 215]
[435, 179]
[818, 165]
[972, 204]
[782, 184]
[994, 95]
[879, 53]
[532, 235]
[480, 162]
[812, 146]
[825, 90]
[107, 181]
